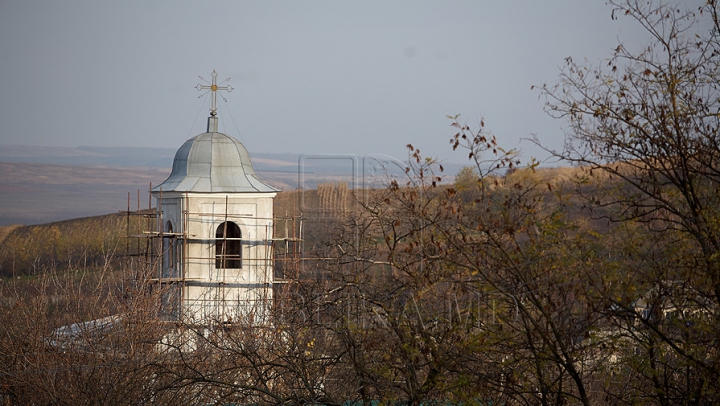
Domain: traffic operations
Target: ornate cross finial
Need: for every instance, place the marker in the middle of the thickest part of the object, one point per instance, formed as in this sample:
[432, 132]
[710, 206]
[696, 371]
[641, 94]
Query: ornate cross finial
[213, 87]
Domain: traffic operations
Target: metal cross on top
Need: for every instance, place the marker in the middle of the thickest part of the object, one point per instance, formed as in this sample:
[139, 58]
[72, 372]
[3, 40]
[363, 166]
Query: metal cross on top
[213, 87]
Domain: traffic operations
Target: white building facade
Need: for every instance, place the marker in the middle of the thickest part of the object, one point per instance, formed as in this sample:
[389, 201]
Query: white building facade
[216, 218]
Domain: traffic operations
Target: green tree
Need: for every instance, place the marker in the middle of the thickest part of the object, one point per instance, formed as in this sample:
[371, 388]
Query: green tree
[467, 178]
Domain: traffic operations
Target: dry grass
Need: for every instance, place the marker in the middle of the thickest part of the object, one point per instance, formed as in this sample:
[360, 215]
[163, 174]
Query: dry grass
[6, 230]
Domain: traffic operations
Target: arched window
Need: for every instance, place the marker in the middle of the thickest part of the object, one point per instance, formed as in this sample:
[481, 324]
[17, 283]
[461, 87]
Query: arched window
[228, 247]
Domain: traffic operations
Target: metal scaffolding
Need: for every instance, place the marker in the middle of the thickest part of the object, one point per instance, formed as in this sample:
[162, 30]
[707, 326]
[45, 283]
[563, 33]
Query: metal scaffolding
[150, 246]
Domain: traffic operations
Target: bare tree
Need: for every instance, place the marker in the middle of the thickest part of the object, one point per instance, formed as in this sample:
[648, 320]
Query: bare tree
[76, 339]
[645, 128]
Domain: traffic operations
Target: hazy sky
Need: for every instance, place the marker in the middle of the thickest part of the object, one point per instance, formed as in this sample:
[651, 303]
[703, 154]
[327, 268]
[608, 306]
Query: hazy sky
[313, 77]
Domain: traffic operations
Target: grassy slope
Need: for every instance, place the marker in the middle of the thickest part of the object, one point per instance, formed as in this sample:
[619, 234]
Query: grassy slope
[6, 230]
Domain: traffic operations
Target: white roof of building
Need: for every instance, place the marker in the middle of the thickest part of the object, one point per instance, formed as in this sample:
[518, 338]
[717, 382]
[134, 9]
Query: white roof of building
[213, 162]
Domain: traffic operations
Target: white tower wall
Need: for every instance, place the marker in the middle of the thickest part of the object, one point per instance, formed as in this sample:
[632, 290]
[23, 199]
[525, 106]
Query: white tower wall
[216, 221]
[209, 292]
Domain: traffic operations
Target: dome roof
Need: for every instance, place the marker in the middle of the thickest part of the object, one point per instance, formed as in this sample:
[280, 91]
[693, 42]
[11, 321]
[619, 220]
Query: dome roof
[213, 162]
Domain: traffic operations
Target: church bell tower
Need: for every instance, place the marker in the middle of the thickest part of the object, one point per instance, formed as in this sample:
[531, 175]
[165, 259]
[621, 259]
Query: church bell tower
[216, 220]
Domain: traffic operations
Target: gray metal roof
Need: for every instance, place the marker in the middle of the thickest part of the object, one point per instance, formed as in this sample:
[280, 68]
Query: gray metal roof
[213, 162]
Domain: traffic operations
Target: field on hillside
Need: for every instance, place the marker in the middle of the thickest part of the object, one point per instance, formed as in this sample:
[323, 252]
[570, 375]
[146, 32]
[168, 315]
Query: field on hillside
[37, 193]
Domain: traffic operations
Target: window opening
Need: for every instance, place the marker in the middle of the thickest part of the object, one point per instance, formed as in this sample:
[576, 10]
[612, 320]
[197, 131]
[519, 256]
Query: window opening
[228, 246]
[170, 240]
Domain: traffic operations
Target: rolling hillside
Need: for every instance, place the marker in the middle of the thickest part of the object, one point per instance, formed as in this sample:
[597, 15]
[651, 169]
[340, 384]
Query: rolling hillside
[45, 184]
[33, 193]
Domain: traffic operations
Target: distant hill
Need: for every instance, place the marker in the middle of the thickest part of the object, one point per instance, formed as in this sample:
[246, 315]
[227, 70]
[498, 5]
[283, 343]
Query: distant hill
[33, 193]
[44, 184]
[161, 158]
[346, 164]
